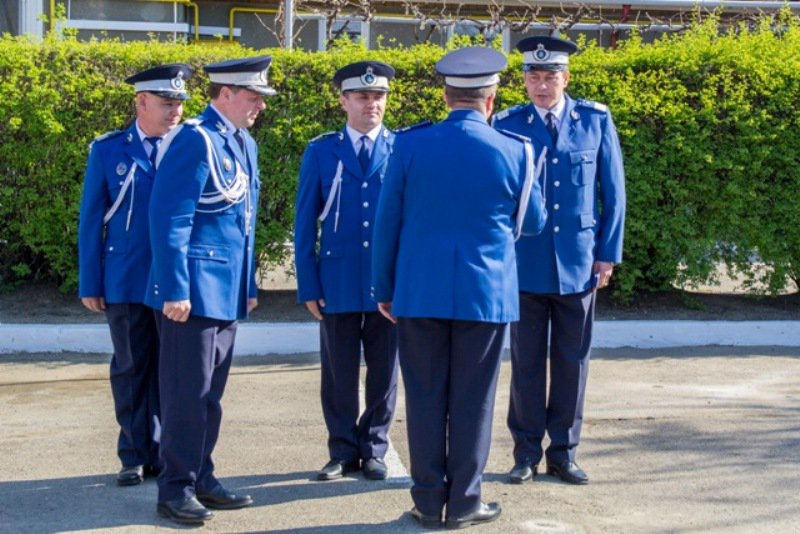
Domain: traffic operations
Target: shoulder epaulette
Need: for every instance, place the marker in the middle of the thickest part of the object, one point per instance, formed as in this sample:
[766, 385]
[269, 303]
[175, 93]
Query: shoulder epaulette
[508, 112]
[514, 135]
[591, 104]
[422, 124]
[107, 135]
[324, 136]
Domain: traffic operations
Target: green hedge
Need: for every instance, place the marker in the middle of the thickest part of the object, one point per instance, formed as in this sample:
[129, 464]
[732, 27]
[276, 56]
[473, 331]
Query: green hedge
[707, 122]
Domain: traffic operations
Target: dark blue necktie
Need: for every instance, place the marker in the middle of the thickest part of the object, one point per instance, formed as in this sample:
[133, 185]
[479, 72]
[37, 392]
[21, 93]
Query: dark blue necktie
[239, 139]
[154, 142]
[363, 154]
[551, 127]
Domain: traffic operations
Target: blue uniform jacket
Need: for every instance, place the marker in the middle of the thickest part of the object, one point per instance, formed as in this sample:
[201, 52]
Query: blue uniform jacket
[585, 190]
[204, 252]
[337, 266]
[114, 258]
[444, 231]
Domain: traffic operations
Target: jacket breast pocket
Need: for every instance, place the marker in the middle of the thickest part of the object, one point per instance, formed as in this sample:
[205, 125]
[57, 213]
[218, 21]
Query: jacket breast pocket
[584, 166]
[215, 253]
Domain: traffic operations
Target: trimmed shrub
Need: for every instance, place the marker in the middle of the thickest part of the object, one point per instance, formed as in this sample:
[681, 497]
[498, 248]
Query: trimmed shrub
[706, 121]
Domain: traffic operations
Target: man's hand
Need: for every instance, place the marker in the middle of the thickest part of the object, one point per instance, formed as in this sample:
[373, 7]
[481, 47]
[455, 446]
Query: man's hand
[96, 304]
[251, 304]
[314, 307]
[177, 310]
[604, 270]
[386, 310]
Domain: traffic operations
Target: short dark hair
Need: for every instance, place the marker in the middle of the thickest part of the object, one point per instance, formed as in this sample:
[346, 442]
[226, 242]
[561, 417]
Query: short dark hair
[469, 95]
[215, 88]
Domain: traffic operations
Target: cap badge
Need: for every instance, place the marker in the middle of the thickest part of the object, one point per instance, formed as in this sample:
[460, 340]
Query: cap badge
[227, 164]
[177, 82]
[121, 168]
[368, 78]
[541, 53]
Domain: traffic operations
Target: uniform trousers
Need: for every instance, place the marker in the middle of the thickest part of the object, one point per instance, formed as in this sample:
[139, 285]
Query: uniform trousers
[194, 365]
[450, 370]
[532, 411]
[134, 382]
[341, 337]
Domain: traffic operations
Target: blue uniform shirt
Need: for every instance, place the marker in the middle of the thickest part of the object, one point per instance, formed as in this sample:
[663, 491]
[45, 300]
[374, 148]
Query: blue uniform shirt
[202, 219]
[336, 266]
[444, 231]
[114, 257]
[585, 191]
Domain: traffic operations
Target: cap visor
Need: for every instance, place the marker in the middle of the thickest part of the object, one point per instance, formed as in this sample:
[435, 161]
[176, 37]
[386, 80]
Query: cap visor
[266, 91]
[171, 95]
[552, 67]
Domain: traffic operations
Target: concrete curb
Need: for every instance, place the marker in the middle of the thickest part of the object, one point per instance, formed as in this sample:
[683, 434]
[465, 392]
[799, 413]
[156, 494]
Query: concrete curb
[298, 338]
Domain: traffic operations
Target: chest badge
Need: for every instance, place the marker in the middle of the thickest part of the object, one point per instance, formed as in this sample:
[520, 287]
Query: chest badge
[227, 164]
[121, 168]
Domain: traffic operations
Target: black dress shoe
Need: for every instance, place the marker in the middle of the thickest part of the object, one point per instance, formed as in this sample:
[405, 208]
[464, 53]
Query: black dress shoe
[425, 520]
[221, 499]
[522, 472]
[375, 469]
[337, 468]
[187, 511]
[484, 514]
[568, 472]
[131, 475]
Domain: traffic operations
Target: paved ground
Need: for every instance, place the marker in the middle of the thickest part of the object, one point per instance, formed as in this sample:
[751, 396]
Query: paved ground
[690, 440]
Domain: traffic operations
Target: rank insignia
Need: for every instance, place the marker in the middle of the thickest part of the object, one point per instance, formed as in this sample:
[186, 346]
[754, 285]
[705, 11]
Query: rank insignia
[574, 115]
[121, 168]
[221, 127]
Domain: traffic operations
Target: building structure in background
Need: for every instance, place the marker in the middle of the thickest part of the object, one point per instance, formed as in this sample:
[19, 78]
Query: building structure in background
[260, 23]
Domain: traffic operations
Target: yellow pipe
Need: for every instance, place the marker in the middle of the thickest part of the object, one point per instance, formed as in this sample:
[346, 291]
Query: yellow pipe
[188, 3]
[232, 14]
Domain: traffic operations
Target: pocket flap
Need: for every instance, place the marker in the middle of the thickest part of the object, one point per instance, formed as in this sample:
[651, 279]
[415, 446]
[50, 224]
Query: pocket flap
[581, 157]
[219, 253]
[588, 220]
[116, 246]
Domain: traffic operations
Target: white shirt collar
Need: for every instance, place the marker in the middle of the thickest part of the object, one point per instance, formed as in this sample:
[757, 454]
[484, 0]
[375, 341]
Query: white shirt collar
[228, 124]
[557, 111]
[355, 137]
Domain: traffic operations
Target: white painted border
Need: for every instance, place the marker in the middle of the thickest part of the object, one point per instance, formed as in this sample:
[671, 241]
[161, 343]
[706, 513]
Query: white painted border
[297, 338]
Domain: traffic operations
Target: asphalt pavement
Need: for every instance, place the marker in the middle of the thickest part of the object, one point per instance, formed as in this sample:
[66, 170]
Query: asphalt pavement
[693, 439]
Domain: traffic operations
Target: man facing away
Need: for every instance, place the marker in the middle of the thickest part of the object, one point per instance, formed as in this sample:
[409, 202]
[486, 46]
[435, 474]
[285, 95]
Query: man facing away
[561, 268]
[456, 195]
[340, 179]
[114, 259]
[202, 230]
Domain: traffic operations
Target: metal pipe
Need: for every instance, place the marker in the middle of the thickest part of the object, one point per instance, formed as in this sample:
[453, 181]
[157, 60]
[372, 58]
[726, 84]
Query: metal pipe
[188, 3]
[668, 5]
[288, 24]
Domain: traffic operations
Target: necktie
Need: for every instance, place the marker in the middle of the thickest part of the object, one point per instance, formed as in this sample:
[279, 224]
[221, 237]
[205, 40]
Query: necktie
[363, 154]
[239, 139]
[551, 127]
[154, 142]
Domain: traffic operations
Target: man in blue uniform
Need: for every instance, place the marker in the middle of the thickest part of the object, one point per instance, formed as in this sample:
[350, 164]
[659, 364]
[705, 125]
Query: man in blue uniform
[340, 179]
[561, 268]
[202, 230]
[114, 259]
[456, 195]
